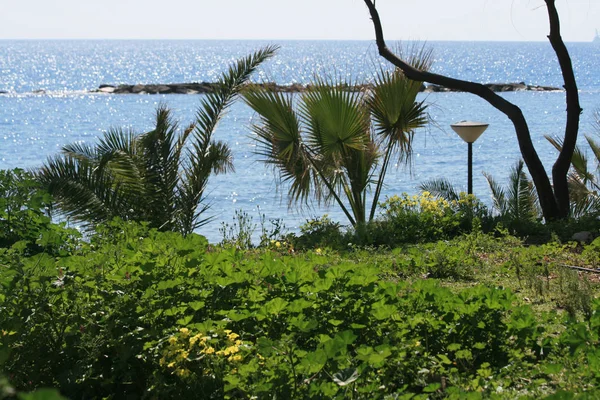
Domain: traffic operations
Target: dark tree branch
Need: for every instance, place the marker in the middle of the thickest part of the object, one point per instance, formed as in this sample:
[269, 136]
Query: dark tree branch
[553, 205]
[563, 162]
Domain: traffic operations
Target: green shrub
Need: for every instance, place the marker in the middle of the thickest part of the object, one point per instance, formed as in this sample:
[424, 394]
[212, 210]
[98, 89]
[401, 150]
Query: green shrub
[425, 218]
[24, 208]
[319, 233]
[144, 314]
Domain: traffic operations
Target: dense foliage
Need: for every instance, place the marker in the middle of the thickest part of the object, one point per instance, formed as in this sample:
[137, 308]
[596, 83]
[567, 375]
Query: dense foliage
[24, 216]
[145, 314]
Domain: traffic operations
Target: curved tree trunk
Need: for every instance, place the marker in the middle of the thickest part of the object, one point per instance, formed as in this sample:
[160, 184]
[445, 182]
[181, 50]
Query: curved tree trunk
[553, 201]
[563, 162]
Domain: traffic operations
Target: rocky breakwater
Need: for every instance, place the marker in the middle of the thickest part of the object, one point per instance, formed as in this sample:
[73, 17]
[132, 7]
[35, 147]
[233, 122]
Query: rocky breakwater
[185, 88]
[497, 87]
[208, 87]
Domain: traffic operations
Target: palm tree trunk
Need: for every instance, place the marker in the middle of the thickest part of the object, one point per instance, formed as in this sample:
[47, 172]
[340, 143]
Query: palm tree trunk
[331, 189]
[380, 180]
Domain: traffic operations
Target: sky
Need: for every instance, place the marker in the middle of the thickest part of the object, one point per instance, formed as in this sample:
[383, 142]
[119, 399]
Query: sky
[426, 20]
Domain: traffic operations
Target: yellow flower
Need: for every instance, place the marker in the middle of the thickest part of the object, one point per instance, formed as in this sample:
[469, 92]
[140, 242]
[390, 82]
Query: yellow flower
[235, 358]
[171, 365]
[277, 244]
[418, 343]
[182, 355]
[318, 251]
[182, 372]
[184, 331]
[194, 339]
[208, 350]
[232, 336]
[172, 340]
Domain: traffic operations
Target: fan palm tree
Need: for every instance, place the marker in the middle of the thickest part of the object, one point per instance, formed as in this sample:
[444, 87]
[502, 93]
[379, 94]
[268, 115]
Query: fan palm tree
[584, 182]
[331, 144]
[159, 176]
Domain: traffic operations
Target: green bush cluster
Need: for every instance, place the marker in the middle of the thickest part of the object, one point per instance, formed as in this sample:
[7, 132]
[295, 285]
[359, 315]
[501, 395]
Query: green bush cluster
[148, 314]
[404, 219]
[24, 216]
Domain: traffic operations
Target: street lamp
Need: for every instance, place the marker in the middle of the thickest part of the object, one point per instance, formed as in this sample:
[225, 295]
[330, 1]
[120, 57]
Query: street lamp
[469, 131]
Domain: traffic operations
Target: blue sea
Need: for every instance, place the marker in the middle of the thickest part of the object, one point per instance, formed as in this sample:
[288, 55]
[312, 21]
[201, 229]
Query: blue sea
[45, 104]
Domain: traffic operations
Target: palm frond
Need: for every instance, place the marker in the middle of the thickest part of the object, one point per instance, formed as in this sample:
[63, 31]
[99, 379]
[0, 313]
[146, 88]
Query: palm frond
[280, 142]
[396, 115]
[583, 183]
[498, 195]
[579, 160]
[336, 120]
[214, 105]
[212, 108]
[583, 200]
[595, 147]
[81, 192]
[519, 200]
[440, 188]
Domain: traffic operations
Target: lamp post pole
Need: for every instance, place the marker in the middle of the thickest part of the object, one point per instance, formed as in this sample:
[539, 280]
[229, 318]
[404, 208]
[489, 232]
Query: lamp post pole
[469, 131]
[470, 171]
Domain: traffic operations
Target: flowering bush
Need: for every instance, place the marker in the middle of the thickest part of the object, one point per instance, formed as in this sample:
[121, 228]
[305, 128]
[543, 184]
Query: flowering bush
[425, 218]
[199, 360]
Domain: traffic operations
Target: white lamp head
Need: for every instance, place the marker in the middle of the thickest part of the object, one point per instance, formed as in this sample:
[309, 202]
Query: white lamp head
[469, 131]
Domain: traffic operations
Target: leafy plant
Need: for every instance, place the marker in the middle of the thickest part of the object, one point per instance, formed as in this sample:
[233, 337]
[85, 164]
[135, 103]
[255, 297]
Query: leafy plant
[24, 216]
[145, 313]
[518, 201]
[159, 176]
[320, 232]
[23, 208]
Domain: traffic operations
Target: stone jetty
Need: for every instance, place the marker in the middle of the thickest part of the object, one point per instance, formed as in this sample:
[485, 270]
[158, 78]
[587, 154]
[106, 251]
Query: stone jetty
[208, 87]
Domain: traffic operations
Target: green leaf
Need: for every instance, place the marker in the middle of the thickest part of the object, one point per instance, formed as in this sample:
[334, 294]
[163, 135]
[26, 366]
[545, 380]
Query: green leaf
[433, 387]
[168, 284]
[314, 361]
[185, 320]
[454, 347]
[302, 324]
[444, 359]
[276, 306]
[196, 305]
[383, 311]
[346, 337]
